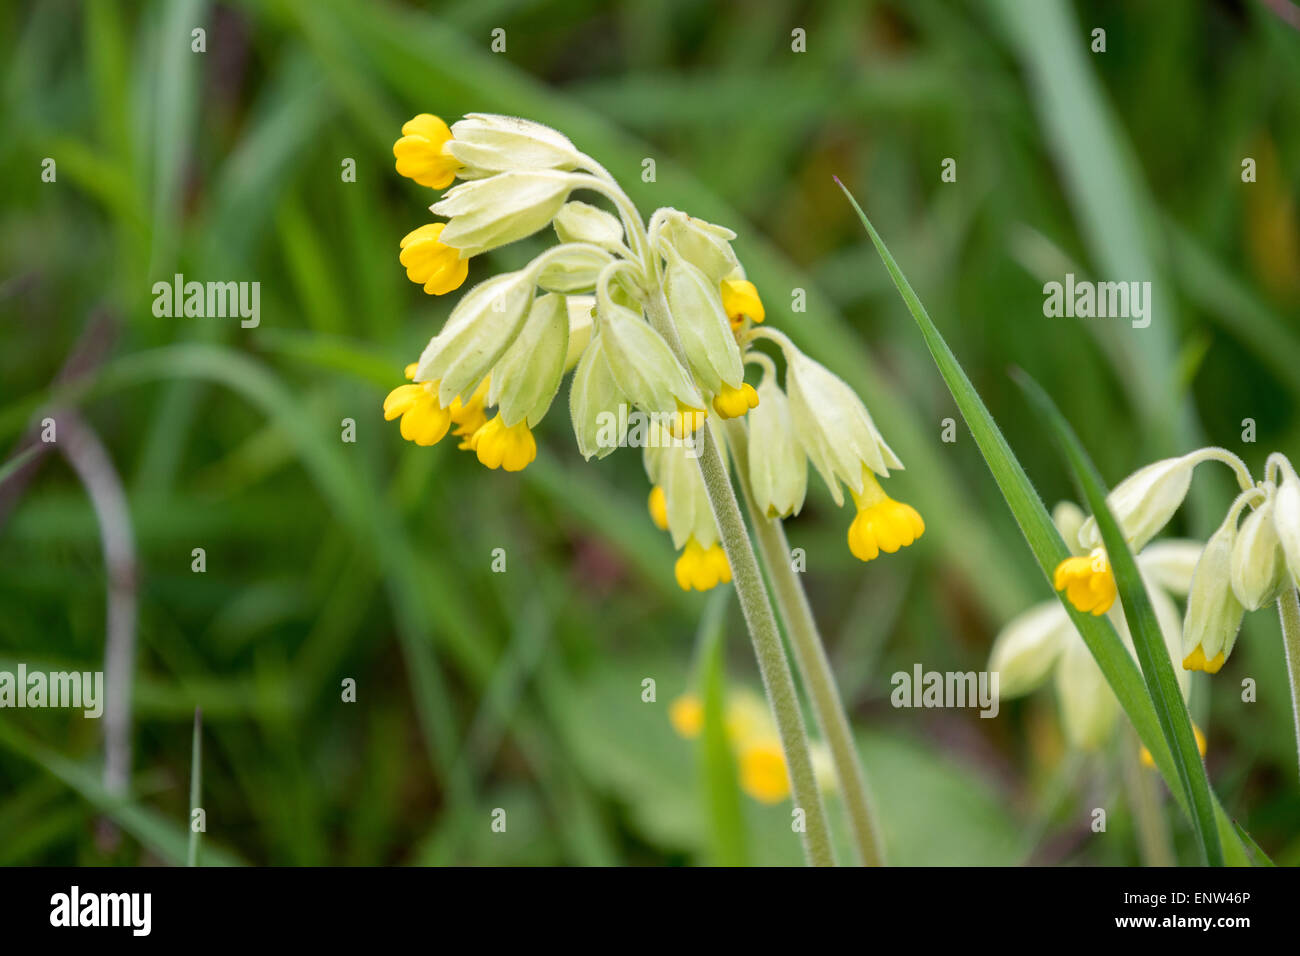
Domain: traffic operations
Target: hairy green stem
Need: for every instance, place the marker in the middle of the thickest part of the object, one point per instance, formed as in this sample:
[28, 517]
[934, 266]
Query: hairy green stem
[1288, 609]
[810, 655]
[757, 610]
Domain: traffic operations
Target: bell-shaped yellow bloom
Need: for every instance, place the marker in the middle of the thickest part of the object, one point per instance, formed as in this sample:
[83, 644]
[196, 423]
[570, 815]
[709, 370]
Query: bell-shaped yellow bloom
[421, 153]
[699, 568]
[763, 774]
[424, 421]
[659, 508]
[734, 402]
[740, 301]
[882, 524]
[499, 445]
[1197, 661]
[1087, 581]
[431, 262]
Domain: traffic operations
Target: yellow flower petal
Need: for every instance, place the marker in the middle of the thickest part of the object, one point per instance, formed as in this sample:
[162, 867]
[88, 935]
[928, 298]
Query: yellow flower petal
[659, 508]
[734, 402]
[500, 446]
[740, 301]
[421, 154]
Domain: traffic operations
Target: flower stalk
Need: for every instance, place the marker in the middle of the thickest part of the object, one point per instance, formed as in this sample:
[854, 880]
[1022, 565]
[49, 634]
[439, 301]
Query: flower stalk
[814, 666]
[773, 665]
[1288, 609]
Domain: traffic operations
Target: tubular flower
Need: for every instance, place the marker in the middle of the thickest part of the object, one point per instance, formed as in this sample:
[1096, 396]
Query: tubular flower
[740, 301]
[422, 152]
[1042, 642]
[424, 421]
[659, 508]
[701, 569]
[735, 402]
[882, 524]
[498, 445]
[431, 263]
[1087, 581]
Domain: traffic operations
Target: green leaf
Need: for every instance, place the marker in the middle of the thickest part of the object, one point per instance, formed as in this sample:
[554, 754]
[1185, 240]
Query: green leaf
[1045, 542]
[1162, 683]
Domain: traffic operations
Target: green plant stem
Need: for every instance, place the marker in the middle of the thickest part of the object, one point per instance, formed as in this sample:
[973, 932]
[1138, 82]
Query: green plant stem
[1288, 609]
[757, 610]
[810, 655]
[1148, 819]
[196, 769]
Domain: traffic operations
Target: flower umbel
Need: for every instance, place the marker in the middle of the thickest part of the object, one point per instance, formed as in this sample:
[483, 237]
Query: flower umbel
[585, 305]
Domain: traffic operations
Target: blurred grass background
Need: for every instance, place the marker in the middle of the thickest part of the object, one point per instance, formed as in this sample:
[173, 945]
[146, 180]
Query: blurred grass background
[371, 561]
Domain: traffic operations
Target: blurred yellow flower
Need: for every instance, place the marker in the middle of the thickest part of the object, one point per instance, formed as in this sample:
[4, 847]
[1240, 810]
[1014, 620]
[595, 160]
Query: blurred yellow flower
[760, 761]
[1149, 761]
[699, 568]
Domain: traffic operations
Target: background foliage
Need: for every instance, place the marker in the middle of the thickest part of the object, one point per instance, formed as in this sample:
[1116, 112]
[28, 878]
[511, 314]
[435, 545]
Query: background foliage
[522, 690]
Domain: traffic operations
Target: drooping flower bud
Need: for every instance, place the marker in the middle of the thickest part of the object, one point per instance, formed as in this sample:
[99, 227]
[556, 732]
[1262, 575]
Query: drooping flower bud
[492, 212]
[778, 467]
[642, 364]
[1213, 612]
[1286, 513]
[705, 245]
[834, 426]
[1258, 565]
[525, 380]
[487, 144]
[582, 222]
[1027, 647]
[572, 268]
[478, 332]
[595, 401]
[706, 335]
[1144, 502]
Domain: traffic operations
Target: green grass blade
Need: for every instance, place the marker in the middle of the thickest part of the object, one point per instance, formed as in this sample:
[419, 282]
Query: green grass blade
[1045, 542]
[158, 833]
[196, 770]
[1148, 642]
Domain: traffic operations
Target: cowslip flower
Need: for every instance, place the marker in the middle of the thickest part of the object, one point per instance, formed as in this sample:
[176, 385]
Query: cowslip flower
[422, 152]
[1043, 641]
[751, 731]
[1142, 504]
[841, 440]
[679, 504]
[654, 319]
